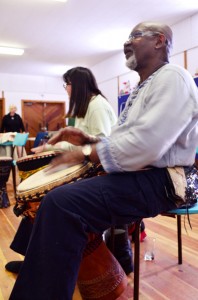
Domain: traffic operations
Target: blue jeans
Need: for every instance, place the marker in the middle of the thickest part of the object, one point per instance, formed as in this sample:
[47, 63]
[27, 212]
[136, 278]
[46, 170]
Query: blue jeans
[69, 212]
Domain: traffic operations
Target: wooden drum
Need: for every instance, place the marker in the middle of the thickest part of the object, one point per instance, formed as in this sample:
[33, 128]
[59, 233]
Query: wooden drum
[30, 164]
[31, 190]
[100, 277]
[5, 168]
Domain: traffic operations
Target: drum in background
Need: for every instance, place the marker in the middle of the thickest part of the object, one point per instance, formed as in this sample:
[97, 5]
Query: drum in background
[31, 190]
[31, 164]
[100, 275]
[5, 168]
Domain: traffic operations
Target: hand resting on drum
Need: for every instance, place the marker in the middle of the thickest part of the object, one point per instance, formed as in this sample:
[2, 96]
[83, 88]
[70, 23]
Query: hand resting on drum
[65, 160]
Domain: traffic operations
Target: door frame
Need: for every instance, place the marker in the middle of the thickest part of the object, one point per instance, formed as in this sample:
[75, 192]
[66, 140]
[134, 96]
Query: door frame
[2, 100]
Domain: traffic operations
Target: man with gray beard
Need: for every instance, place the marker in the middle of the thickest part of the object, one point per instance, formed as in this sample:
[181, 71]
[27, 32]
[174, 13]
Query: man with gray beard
[157, 129]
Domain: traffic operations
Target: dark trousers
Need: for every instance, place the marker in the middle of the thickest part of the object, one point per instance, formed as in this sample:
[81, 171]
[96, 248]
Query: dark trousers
[68, 213]
[22, 236]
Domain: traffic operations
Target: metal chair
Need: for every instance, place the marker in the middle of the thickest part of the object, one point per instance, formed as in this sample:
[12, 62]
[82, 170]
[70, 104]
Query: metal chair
[172, 213]
[178, 213]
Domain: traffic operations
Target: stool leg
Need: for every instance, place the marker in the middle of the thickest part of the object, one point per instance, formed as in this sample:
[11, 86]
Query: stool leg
[14, 178]
[179, 239]
[136, 260]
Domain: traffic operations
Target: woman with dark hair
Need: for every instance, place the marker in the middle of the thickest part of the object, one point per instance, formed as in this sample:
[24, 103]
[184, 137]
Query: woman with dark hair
[90, 109]
[94, 115]
[81, 86]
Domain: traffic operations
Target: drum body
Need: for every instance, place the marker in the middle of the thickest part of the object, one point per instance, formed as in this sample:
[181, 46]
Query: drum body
[100, 275]
[30, 164]
[31, 190]
[5, 168]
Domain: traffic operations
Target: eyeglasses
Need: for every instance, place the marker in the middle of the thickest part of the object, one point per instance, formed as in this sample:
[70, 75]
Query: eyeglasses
[139, 34]
[66, 84]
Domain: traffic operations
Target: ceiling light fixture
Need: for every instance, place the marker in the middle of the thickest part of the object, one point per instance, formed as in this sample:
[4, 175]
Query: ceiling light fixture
[11, 51]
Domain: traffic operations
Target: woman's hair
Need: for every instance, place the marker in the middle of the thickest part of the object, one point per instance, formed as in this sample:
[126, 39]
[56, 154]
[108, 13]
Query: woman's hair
[84, 86]
[12, 107]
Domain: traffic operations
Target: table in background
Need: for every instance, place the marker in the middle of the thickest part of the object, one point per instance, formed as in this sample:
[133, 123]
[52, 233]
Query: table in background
[6, 140]
[6, 149]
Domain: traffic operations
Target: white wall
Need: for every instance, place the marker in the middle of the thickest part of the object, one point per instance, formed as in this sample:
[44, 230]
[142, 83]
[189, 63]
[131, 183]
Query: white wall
[113, 70]
[22, 87]
[110, 73]
[185, 35]
[110, 91]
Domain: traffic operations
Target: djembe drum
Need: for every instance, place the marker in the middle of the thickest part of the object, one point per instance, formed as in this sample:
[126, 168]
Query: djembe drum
[5, 168]
[100, 276]
[31, 191]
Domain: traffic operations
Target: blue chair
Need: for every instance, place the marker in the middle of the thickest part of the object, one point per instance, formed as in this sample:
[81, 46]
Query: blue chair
[20, 141]
[178, 212]
[39, 137]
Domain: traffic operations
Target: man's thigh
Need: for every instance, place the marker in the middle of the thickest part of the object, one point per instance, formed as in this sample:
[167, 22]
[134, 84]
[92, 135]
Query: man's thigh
[113, 198]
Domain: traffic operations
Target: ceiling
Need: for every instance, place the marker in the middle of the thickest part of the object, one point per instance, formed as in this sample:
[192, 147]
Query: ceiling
[57, 35]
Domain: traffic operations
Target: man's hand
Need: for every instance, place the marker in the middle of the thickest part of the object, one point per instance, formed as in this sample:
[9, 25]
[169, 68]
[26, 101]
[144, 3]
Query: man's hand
[66, 159]
[38, 149]
[74, 136]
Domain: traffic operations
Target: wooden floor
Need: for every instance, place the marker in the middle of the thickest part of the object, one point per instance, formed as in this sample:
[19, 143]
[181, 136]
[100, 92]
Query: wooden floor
[160, 279]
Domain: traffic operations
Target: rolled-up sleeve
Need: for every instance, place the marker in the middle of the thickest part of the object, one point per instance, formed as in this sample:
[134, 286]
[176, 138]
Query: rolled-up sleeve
[105, 152]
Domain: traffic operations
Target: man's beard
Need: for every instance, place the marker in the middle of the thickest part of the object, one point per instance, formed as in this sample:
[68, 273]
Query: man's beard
[131, 62]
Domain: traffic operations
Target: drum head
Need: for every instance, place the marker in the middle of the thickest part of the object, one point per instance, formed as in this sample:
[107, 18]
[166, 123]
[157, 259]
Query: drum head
[41, 182]
[5, 158]
[35, 161]
[36, 156]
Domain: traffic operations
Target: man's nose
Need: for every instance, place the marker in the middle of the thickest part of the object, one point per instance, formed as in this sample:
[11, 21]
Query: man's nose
[128, 42]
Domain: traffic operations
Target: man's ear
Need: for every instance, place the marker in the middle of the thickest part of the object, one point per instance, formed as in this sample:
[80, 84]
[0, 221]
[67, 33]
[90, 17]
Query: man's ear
[161, 41]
